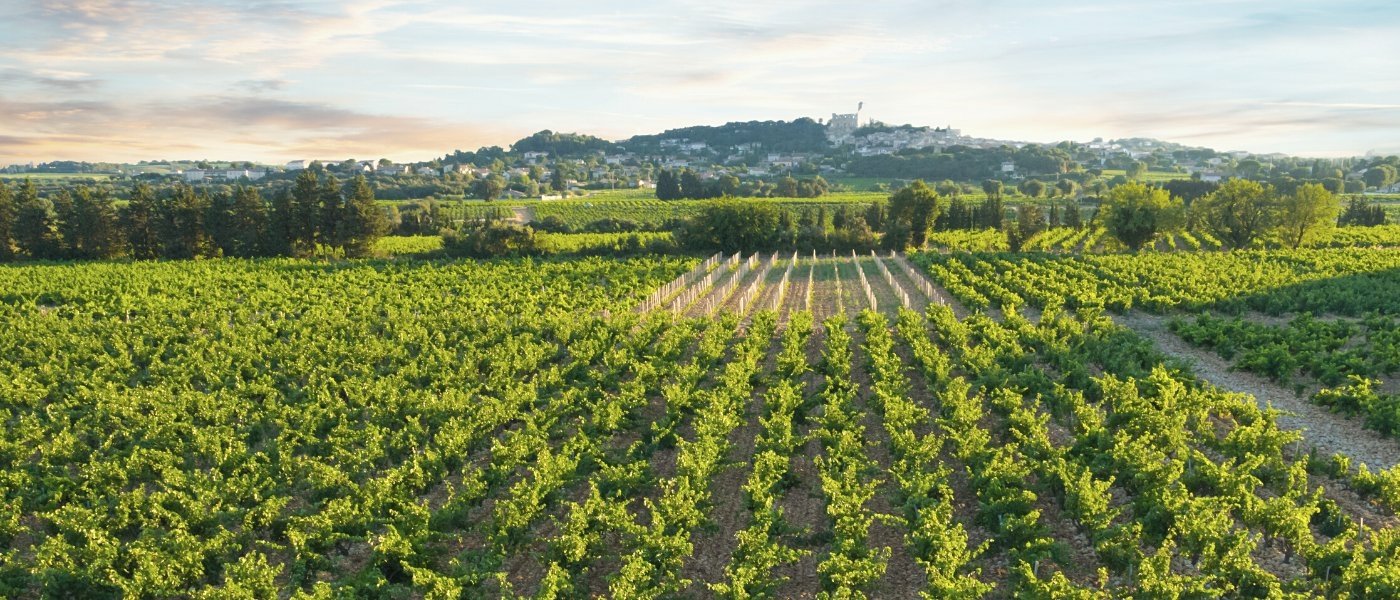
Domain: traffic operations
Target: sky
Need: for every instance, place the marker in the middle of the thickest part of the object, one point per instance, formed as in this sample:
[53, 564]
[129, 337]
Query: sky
[278, 80]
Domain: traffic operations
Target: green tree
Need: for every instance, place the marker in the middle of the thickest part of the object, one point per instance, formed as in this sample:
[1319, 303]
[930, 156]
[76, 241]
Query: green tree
[691, 186]
[36, 224]
[1067, 187]
[1380, 176]
[912, 212]
[1030, 220]
[1033, 187]
[304, 213]
[363, 222]
[1070, 215]
[280, 238]
[667, 187]
[787, 187]
[1307, 215]
[1239, 212]
[993, 189]
[1135, 170]
[729, 186]
[91, 226]
[139, 220]
[1249, 168]
[248, 223]
[489, 187]
[7, 222]
[1362, 213]
[330, 211]
[948, 188]
[219, 222]
[182, 232]
[1136, 214]
[730, 226]
[63, 220]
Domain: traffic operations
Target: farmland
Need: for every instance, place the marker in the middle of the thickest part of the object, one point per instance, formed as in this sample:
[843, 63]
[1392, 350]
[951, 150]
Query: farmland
[776, 425]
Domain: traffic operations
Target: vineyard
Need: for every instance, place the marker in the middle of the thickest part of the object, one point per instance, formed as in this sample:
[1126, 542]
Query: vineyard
[746, 426]
[1298, 317]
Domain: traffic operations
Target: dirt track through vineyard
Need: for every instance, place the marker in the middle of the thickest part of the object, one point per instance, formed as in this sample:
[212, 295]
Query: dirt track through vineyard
[1329, 432]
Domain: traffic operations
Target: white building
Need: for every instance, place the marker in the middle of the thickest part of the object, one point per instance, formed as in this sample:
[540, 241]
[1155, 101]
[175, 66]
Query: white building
[297, 165]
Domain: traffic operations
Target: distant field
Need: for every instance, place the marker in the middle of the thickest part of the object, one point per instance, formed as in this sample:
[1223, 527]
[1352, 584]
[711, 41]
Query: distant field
[1150, 176]
[56, 176]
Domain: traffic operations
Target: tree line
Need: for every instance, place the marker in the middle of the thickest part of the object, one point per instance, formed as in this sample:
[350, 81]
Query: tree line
[1239, 213]
[318, 214]
[686, 184]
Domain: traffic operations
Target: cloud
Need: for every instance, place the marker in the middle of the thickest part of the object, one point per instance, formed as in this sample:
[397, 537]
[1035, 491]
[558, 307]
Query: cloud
[59, 81]
[258, 86]
[257, 127]
[249, 78]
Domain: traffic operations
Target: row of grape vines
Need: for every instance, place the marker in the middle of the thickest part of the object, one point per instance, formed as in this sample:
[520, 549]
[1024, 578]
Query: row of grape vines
[507, 429]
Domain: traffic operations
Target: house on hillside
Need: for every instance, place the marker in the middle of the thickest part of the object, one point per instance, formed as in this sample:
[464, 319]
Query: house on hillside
[297, 165]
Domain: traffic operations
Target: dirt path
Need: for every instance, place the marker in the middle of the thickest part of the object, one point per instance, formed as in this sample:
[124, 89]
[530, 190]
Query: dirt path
[1330, 433]
[523, 214]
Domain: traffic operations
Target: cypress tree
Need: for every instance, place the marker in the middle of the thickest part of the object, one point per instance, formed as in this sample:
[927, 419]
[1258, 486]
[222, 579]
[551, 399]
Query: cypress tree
[332, 210]
[139, 219]
[667, 188]
[304, 212]
[7, 223]
[248, 221]
[219, 223]
[363, 221]
[280, 237]
[182, 225]
[36, 230]
[93, 231]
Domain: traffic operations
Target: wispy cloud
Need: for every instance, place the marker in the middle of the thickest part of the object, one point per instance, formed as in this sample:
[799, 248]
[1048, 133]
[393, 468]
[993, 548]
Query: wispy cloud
[274, 79]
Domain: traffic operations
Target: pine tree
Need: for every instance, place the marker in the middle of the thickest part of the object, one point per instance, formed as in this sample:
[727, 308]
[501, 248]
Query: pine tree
[248, 222]
[305, 212]
[91, 226]
[182, 233]
[7, 223]
[219, 223]
[363, 221]
[667, 187]
[691, 186]
[1072, 218]
[64, 223]
[36, 231]
[139, 219]
[280, 237]
[332, 210]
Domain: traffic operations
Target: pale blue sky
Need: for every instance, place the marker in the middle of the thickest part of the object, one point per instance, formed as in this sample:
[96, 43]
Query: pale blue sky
[281, 79]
